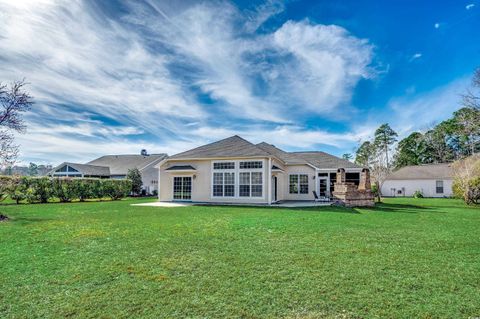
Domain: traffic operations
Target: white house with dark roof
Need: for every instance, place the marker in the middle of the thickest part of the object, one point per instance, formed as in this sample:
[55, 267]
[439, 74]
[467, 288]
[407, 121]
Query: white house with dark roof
[233, 170]
[115, 166]
[432, 180]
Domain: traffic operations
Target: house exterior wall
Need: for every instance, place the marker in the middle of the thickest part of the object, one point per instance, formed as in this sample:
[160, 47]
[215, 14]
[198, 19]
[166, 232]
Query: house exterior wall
[426, 186]
[150, 178]
[299, 169]
[202, 181]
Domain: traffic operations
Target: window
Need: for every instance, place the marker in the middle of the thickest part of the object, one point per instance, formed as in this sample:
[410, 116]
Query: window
[303, 184]
[439, 186]
[251, 184]
[298, 184]
[247, 165]
[224, 165]
[237, 179]
[244, 184]
[223, 184]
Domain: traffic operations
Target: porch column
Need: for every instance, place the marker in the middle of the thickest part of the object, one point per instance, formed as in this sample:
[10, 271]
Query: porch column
[269, 179]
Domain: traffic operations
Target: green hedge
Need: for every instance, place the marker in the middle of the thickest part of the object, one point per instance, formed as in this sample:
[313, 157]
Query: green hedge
[43, 189]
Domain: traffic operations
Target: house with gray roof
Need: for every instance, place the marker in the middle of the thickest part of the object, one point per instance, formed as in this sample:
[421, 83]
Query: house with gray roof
[115, 166]
[234, 170]
[432, 180]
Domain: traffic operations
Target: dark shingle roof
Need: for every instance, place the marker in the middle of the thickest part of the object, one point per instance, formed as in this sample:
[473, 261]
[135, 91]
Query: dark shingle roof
[430, 171]
[120, 164]
[234, 146]
[85, 169]
[325, 160]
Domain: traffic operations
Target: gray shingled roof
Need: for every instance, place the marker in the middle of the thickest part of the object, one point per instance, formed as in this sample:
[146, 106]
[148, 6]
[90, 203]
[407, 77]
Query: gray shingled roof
[325, 160]
[234, 146]
[430, 171]
[85, 169]
[287, 158]
[120, 164]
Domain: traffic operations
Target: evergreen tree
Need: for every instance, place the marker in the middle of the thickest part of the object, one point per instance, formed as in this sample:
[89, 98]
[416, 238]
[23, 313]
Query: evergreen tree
[365, 154]
[384, 138]
[136, 178]
[412, 150]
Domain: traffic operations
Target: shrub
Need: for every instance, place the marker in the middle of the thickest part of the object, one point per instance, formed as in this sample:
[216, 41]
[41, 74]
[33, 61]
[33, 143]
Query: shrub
[466, 184]
[5, 186]
[19, 190]
[116, 189]
[418, 194]
[40, 189]
[63, 189]
[155, 192]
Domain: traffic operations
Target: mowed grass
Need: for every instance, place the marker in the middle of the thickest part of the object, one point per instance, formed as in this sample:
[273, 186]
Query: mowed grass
[407, 258]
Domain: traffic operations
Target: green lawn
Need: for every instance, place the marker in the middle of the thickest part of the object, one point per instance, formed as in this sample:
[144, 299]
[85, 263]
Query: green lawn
[408, 258]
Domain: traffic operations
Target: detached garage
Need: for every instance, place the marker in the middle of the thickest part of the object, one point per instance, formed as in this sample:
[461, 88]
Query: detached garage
[432, 180]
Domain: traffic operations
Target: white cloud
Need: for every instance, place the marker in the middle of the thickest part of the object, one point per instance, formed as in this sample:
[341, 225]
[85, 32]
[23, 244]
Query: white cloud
[436, 25]
[416, 56]
[469, 6]
[104, 84]
[422, 111]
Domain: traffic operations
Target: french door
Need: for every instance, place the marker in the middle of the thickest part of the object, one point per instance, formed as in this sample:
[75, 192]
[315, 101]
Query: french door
[182, 188]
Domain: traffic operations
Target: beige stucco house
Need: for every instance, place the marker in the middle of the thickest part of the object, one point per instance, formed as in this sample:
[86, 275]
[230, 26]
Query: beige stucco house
[233, 170]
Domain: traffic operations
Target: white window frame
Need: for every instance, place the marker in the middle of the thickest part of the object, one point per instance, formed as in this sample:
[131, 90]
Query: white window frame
[173, 188]
[298, 183]
[237, 172]
[437, 187]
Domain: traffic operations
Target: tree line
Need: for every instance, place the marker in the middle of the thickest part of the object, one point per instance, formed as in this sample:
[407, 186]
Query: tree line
[451, 140]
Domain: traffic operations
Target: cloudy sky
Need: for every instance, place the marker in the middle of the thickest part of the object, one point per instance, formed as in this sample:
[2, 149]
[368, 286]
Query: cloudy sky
[113, 77]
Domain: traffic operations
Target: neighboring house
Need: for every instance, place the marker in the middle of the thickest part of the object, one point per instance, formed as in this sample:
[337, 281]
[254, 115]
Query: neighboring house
[432, 180]
[115, 166]
[234, 170]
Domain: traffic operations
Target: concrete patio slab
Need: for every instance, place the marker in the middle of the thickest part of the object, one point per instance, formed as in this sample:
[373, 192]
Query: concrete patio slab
[288, 204]
[164, 204]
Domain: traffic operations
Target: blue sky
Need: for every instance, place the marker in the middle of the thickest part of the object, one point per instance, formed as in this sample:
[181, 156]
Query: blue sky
[118, 76]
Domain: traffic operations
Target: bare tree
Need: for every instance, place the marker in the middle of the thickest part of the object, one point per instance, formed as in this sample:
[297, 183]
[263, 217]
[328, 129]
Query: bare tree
[472, 99]
[14, 101]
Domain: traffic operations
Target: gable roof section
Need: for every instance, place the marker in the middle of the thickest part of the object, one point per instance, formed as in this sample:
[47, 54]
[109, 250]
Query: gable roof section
[287, 158]
[234, 146]
[324, 160]
[120, 164]
[429, 171]
[85, 169]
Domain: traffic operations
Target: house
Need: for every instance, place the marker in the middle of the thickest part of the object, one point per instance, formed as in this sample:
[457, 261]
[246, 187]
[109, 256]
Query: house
[115, 166]
[233, 170]
[432, 180]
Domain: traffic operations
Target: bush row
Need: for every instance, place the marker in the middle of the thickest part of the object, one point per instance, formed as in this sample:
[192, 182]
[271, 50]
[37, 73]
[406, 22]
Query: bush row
[42, 189]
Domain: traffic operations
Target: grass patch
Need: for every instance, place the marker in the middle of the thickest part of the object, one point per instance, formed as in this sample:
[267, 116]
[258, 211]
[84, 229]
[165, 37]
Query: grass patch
[405, 258]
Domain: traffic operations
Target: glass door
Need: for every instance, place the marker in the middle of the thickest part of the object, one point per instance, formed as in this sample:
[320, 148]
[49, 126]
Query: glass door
[322, 187]
[182, 188]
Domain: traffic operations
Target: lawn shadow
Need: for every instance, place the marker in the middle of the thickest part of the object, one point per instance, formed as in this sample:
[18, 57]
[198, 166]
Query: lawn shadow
[404, 208]
[316, 209]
